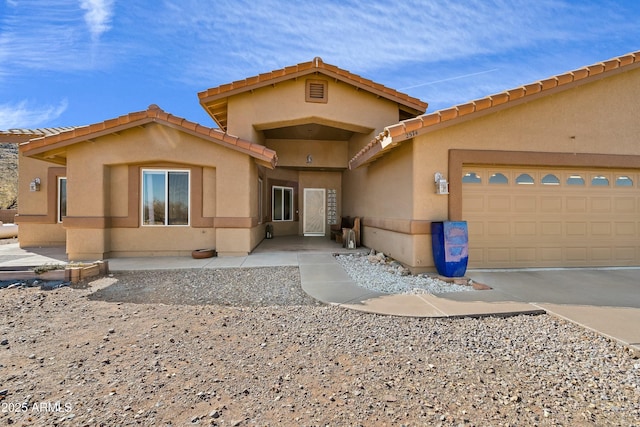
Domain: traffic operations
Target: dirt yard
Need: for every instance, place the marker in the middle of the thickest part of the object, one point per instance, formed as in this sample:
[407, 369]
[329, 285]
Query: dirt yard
[69, 358]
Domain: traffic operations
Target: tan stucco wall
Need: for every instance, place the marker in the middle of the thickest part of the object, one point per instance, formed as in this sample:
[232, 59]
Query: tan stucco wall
[285, 102]
[104, 196]
[324, 154]
[381, 194]
[598, 117]
[37, 212]
[33, 203]
[32, 235]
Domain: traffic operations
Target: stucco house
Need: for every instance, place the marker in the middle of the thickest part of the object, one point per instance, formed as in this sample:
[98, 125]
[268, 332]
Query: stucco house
[545, 175]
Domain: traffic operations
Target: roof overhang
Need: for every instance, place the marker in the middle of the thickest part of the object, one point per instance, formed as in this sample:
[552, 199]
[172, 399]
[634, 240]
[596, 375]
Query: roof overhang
[215, 100]
[53, 148]
[396, 134]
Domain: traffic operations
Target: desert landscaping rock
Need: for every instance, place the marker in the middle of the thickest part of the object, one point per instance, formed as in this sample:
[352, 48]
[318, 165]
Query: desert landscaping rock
[185, 351]
[380, 273]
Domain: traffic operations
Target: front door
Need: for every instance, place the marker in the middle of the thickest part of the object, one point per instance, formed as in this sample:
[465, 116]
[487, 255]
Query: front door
[314, 212]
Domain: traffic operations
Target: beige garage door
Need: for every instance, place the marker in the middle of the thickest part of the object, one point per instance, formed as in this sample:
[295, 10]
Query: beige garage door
[525, 217]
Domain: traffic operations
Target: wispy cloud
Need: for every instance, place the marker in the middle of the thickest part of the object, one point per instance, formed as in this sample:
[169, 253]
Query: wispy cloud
[24, 115]
[357, 35]
[52, 35]
[235, 39]
[98, 16]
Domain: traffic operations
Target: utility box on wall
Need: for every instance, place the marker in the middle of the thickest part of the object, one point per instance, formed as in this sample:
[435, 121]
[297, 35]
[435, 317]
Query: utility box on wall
[450, 244]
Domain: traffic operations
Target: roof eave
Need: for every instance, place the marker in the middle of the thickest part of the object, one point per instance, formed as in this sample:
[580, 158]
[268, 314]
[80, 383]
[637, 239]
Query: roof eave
[42, 147]
[409, 129]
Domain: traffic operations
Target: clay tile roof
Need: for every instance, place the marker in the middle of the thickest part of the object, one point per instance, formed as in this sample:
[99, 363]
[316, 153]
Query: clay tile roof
[214, 100]
[47, 141]
[22, 135]
[394, 135]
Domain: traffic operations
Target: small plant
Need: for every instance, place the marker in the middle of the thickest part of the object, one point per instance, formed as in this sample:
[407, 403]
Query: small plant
[48, 267]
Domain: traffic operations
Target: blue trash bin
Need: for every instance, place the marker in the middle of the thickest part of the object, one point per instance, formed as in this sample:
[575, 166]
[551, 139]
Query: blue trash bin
[450, 243]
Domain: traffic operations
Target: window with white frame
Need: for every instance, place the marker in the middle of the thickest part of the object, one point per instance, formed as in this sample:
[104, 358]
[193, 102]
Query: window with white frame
[281, 203]
[165, 197]
[62, 197]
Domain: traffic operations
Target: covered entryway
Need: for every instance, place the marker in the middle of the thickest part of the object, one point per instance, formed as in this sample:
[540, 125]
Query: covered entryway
[541, 217]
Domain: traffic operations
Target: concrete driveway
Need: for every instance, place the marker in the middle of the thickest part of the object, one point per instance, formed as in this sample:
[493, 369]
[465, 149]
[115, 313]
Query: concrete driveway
[605, 300]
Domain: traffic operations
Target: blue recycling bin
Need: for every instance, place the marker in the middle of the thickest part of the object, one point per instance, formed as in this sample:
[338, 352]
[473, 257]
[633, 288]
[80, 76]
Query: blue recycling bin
[450, 243]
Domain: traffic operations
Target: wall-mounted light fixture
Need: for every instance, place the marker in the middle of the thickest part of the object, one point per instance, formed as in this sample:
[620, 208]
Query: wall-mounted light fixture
[34, 185]
[309, 159]
[442, 186]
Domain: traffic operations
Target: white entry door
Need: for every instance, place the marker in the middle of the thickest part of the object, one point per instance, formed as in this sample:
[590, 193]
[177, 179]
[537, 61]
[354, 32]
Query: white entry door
[314, 212]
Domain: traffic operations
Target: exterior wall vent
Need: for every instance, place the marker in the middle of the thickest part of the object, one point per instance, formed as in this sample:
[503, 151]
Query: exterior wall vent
[316, 91]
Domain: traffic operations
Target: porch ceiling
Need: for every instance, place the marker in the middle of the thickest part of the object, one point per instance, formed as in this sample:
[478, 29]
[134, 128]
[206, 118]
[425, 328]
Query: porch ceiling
[311, 131]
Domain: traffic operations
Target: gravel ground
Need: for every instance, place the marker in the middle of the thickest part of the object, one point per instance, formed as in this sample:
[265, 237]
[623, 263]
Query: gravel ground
[138, 353]
[379, 273]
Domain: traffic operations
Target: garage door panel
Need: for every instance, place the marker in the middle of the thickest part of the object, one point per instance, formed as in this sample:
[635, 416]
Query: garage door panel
[625, 229]
[624, 205]
[476, 229]
[550, 255]
[525, 255]
[524, 204]
[551, 204]
[528, 228]
[498, 256]
[576, 204]
[628, 253]
[600, 229]
[499, 204]
[600, 204]
[474, 203]
[601, 254]
[498, 229]
[575, 229]
[551, 229]
[576, 254]
[476, 255]
[567, 221]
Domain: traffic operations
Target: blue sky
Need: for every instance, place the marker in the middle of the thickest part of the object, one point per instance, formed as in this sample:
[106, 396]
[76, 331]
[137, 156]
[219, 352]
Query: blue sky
[77, 62]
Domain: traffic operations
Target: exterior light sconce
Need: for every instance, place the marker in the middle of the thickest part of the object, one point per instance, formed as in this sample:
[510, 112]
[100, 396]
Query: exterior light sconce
[34, 185]
[309, 159]
[442, 186]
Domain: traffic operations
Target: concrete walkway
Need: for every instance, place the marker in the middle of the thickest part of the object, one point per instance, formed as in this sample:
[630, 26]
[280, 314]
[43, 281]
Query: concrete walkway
[604, 300]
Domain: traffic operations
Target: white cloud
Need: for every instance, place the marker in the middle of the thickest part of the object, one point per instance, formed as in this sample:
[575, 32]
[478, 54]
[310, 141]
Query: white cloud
[54, 35]
[98, 16]
[22, 115]
[235, 39]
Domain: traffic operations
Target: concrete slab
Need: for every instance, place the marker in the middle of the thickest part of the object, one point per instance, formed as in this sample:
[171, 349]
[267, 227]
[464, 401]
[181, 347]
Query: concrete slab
[618, 323]
[156, 263]
[271, 259]
[309, 259]
[323, 273]
[397, 305]
[12, 255]
[478, 308]
[595, 287]
[338, 292]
